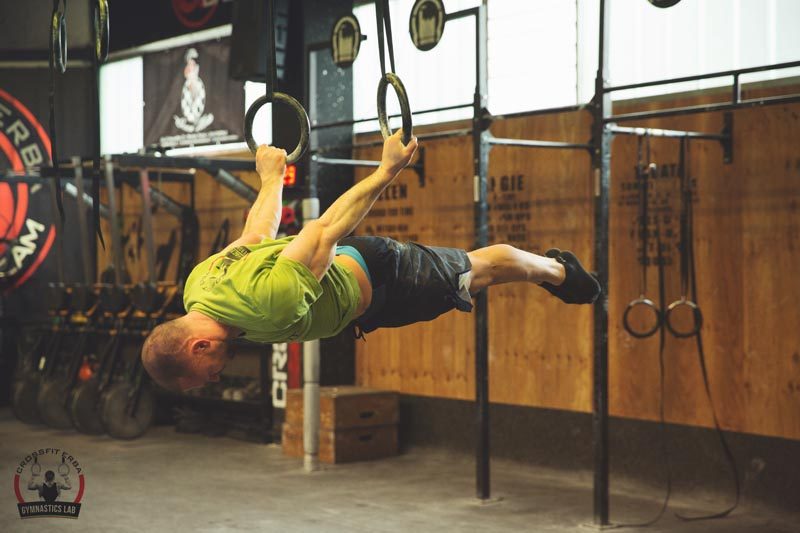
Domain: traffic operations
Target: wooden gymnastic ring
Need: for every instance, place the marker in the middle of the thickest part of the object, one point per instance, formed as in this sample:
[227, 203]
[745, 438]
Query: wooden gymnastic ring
[405, 110]
[302, 119]
[698, 318]
[641, 301]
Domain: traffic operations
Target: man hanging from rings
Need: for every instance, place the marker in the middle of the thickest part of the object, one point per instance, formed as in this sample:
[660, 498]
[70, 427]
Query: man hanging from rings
[315, 284]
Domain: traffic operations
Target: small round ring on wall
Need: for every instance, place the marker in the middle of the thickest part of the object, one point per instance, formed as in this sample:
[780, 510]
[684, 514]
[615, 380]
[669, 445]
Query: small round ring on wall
[639, 302]
[36, 469]
[302, 119]
[63, 469]
[696, 314]
[405, 110]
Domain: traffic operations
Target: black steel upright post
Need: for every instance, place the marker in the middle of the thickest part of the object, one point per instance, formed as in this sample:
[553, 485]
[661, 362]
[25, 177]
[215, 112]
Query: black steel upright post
[480, 154]
[601, 166]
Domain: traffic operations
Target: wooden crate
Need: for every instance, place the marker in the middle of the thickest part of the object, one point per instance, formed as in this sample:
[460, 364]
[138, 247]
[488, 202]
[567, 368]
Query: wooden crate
[344, 445]
[346, 407]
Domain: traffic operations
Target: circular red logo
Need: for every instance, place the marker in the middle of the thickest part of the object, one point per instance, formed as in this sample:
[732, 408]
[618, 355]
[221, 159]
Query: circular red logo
[26, 223]
[194, 13]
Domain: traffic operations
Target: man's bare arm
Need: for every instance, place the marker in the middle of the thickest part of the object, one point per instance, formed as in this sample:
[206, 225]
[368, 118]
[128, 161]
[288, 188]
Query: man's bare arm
[315, 245]
[264, 217]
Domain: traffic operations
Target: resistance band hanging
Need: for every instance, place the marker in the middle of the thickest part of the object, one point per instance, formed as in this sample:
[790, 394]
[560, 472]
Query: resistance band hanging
[58, 65]
[390, 78]
[686, 249]
[643, 170]
[272, 96]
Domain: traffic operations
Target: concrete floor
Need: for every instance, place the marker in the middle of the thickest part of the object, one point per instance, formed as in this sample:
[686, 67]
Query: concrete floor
[175, 482]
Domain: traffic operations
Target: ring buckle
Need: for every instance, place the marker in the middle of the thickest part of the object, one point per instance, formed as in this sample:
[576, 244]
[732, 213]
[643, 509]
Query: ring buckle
[697, 314]
[302, 119]
[641, 301]
[392, 79]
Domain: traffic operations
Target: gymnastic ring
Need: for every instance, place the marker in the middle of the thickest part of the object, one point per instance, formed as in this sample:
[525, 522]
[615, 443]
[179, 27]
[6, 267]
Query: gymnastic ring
[58, 41]
[36, 468]
[101, 30]
[302, 119]
[392, 79]
[63, 471]
[698, 318]
[647, 303]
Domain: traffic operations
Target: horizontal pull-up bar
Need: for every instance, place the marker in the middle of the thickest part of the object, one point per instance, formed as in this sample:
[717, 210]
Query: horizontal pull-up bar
[316, 126]
[656, 132]
[704, 108]
[345, 162]
[153, 162]
[710, 75]
[72, 190]
[422, 136]
[233, 183]
[524, 143]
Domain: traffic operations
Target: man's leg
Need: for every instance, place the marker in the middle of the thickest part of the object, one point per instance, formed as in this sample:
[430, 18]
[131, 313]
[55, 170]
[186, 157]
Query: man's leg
[560, 273]
[502, 263]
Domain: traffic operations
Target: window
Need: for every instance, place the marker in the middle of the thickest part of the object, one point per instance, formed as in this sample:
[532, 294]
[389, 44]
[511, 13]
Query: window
[543, 53]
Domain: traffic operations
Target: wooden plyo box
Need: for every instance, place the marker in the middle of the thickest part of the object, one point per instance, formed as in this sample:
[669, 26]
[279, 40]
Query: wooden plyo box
[356, 424]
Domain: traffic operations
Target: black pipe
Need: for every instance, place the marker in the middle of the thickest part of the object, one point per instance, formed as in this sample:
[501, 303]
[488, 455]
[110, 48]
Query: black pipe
[369, 144]
[233, 183]
[657, 132]
[371, 119]
[524, 143]
[480, 155]
[150, 161]
[546, 111]
[696, 77]
[601, 164]
[704, 108]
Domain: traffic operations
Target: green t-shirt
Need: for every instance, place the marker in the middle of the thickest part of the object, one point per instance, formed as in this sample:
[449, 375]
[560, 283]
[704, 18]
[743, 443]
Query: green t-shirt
[272, 298]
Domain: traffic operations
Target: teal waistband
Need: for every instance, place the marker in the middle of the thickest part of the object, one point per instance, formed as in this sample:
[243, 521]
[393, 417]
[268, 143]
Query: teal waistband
[349, 251]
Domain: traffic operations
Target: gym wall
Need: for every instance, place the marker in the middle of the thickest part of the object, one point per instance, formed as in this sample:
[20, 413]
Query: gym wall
[541, 350]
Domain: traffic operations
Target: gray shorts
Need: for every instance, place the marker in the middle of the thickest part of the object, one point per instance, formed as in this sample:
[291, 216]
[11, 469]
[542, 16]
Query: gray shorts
[411, 282]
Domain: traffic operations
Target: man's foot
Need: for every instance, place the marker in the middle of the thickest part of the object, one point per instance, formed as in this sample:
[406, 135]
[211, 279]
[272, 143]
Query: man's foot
[579, 287]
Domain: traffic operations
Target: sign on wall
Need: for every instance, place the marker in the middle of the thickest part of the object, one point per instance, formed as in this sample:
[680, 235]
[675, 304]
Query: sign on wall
[189, 99]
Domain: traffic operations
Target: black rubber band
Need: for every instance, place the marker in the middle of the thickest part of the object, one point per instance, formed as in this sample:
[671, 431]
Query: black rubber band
[302, 119]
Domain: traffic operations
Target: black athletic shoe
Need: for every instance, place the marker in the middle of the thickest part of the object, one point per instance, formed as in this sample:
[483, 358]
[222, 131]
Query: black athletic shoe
[579, 286]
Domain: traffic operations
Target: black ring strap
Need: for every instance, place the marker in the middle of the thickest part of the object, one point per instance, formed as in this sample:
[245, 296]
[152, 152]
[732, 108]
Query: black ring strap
[642, 174]
[382, 14]
[272, 96]
[686, 251]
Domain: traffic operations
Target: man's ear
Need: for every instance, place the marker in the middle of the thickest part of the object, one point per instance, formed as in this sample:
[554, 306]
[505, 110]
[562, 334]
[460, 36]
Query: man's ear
[199, 346]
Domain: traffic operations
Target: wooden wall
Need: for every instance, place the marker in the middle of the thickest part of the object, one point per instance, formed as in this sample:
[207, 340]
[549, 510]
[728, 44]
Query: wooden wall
[746, 234]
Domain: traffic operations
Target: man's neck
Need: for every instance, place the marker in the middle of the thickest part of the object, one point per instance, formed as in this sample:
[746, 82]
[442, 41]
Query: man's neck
[212, 326]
